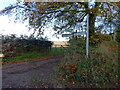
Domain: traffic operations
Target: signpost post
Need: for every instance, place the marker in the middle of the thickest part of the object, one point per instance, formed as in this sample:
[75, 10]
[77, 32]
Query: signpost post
[81, 33]
[87, 36]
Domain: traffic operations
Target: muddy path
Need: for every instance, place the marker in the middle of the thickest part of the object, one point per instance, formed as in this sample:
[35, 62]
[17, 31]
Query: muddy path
[33, 74]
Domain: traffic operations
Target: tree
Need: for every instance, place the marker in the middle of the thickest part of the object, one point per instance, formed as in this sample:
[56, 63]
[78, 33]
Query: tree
[66, 16]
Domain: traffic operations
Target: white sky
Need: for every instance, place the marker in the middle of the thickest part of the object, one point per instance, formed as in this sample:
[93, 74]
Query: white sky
[9, 27]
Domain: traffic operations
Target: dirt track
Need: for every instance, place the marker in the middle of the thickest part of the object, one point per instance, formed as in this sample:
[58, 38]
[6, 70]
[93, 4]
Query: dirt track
[34, 74]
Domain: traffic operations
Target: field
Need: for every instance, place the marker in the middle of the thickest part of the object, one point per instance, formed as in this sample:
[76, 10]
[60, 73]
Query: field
[59, 44]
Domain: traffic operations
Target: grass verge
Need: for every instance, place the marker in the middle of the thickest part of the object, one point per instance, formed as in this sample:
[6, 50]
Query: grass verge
[98, 71]
[32, 55]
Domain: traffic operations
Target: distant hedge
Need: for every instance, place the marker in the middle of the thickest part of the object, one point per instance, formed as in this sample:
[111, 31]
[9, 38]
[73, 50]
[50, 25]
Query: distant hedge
[18, 46]
[35, 42]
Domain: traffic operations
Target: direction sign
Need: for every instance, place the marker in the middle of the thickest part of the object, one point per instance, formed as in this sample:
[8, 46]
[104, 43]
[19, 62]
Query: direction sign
[67, 35]
[80, 33]
[75, 34]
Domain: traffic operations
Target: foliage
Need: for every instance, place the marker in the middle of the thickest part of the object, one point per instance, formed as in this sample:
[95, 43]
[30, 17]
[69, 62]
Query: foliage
[78, 45]
[78, 42]
[117, 35]
[55, 51]
[100, 71]
[65, 16]
[44, 44]
[109, 49]
[98, 38]
[16, 46]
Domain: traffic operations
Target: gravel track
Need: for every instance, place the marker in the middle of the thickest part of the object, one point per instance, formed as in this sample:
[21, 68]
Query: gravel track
[33, 74]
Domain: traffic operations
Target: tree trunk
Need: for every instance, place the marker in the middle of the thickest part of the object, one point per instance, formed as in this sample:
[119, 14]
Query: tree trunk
[92, 18]
[91, 25]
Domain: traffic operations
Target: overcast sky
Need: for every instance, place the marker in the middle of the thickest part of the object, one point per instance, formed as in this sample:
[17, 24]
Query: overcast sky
[8, 27]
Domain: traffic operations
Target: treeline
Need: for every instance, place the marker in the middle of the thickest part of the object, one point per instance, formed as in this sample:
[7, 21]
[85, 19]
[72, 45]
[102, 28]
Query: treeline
[13, 45]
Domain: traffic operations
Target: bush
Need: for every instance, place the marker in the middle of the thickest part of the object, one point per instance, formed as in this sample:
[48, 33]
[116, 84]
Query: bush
[77, 45]
[117, 35]
[98, 37]
[13, 47]
[100, 71]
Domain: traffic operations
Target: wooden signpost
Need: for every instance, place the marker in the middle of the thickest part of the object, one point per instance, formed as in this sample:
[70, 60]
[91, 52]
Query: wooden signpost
[81, 33]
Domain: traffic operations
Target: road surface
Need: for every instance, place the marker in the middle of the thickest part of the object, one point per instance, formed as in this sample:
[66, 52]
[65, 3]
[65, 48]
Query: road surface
[33, 74]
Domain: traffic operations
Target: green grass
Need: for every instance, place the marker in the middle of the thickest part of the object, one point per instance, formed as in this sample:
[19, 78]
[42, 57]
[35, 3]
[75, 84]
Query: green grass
[24, 56]
[32, 55]
[54, 52]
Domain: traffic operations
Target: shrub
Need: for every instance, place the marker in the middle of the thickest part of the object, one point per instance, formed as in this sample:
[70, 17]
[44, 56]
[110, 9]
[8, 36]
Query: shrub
[13, 47]
[100, 71]
[117, 35]
[98, 37]
[78, 45]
